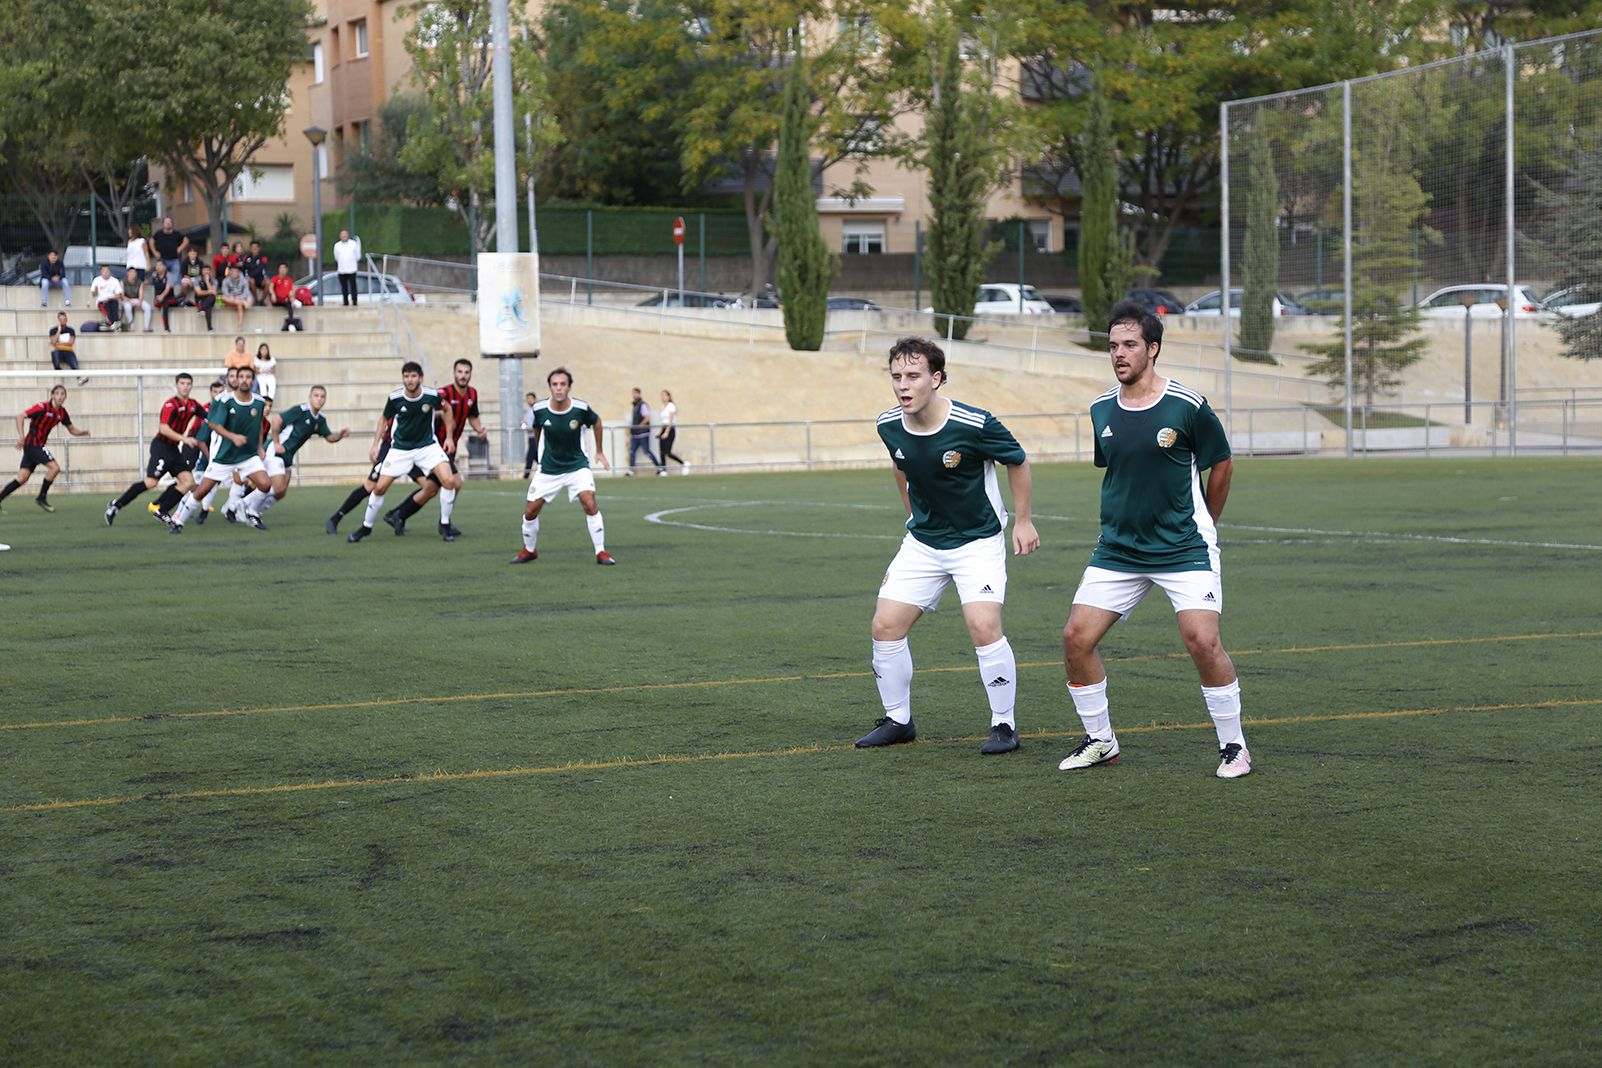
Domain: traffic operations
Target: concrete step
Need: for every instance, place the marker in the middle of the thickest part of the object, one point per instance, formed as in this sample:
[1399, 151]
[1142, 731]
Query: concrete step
[32, 319]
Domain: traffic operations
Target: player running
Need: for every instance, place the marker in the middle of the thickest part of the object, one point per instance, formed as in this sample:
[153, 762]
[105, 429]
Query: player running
[287, 433]
[235, 420]
[33, 437]
[195, 458]
[408, 420]
[1158, 528]
[180, 414]
[561, 419]
[945, 455]
[461, 399]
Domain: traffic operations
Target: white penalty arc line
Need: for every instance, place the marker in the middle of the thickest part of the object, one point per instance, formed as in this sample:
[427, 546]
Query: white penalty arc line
[661, 519]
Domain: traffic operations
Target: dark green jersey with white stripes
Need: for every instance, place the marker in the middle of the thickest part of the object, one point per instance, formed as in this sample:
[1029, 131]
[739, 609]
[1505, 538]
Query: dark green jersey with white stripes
[951, 474]
[239, 417]
[1153, 512]
[300, 425]
[413, 418]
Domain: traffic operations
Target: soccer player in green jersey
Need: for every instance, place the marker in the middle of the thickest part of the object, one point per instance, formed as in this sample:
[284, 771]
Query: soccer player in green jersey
[235, 420]
[287, 433]
[560, 420]
[945, 455]
[1158, 528]
[408, 416]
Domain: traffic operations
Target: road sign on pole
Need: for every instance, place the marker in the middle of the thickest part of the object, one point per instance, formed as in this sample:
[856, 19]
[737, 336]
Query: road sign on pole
[678, 241]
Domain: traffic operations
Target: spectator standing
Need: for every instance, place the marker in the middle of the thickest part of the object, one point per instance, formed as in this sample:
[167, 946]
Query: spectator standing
[235, 293]
[63, 342]
[138, 255]
[52, 273]
[640, 433]
[205, 294]
[163, 291]
[106, 292]
[347, 261]
[529, 400]
[266, 372]
[168, 246]
[668, 422]
[133, 299]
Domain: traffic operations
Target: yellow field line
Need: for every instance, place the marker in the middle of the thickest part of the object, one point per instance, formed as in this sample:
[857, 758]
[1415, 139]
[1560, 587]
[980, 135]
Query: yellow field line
[647, 687]
[702, 758]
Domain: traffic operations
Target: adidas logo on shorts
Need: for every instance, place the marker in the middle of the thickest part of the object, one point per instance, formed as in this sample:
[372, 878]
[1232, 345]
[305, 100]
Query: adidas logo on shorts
[1210, 597]
[986, 589]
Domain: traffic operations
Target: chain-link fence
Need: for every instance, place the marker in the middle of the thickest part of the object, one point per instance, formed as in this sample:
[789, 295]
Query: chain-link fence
[1427, 215]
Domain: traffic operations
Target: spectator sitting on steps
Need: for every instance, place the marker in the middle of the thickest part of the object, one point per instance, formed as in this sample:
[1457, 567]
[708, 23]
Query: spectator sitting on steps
[235, 293]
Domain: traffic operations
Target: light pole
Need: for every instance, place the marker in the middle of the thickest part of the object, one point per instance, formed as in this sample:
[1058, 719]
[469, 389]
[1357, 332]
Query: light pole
[317, 135]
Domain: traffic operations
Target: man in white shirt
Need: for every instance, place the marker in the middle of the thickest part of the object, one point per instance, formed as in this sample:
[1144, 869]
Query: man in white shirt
[347, 261]
[107, 294]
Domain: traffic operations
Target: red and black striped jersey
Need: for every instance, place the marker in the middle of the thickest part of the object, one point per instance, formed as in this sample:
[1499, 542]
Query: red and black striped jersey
[180, 413]
[42, 419]
[463, 404]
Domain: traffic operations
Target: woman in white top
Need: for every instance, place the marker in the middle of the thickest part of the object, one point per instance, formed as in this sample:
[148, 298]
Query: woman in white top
[137, 258]
[669, 417]
[266, 372]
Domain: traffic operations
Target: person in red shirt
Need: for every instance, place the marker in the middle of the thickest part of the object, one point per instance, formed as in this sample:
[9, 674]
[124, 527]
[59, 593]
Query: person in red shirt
[462, 399]
[33, 434]
[180, 418]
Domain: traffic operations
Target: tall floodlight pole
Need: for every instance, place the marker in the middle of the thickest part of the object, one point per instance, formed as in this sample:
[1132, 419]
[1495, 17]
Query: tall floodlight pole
[1223, 268]
[511, 377]
[1346, 252]
[317, 135]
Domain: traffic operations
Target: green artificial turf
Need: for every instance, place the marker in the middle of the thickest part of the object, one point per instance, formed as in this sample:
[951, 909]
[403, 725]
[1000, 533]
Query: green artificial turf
[400, 802]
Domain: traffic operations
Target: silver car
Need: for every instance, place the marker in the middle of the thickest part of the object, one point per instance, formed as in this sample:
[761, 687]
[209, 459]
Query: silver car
[371, 287]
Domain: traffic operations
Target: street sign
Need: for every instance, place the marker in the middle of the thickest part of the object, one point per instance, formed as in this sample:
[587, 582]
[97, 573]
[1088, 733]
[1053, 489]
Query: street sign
[678, 231]
[308, 246]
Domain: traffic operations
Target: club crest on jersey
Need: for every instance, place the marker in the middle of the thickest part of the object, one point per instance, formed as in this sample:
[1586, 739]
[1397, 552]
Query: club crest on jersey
[951, 458]
[572, 424]
[1166, 438]
[425, 409]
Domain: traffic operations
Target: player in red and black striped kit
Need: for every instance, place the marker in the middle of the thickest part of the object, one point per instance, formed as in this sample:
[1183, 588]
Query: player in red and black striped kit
[33, 434]
[462, 400]
[180, 416]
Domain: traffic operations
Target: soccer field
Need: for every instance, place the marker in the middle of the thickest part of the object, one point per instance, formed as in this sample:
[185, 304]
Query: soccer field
[270, 797]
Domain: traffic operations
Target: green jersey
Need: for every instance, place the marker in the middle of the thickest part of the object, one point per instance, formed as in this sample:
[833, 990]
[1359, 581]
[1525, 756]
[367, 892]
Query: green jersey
[1153, 512]
[411, 419]
[240, 417]
[951, 474]
[562, 436]
[300, 426]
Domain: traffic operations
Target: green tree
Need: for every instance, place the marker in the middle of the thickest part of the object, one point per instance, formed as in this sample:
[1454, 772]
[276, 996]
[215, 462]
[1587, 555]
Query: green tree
[1573, 247]
[1105, 252]
[806, 267]
[377, 175]
[1388, 206]
[1260, 273]
[450, 137]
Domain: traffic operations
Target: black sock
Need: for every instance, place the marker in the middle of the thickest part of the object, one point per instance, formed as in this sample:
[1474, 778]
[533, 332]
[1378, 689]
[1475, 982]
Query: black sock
[407, 508]
[169, 500]
[11, 487]
[129, 494]
[357, 496]
[44, 489]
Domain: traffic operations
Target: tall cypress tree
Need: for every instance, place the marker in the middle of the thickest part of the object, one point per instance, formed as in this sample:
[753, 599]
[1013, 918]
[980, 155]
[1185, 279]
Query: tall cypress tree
[806, 266]
[1105, 255]
[958, 162]
[1261, 270]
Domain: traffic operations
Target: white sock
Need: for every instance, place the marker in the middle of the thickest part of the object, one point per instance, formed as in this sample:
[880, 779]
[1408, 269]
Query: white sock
[236, 493]
[531, 533]
[255, 501]
[185, 509]
[998, 670]
[892, 670]
[269, 499]
[447, 501]
[597, 531]
[374, 503]
[1223, 704]
[1091, 704]
[211, 495]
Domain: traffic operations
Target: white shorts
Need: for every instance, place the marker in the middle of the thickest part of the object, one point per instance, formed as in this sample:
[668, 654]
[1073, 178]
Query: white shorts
[919, 575]
[275, 465]
[224, 473]
[1121, 591]
[546, 487]
[400, 462]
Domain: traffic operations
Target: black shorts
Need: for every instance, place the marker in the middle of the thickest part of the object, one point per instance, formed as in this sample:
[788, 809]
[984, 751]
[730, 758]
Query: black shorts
[378, 467]
[165, 459]
[35, 456]
[190, 456]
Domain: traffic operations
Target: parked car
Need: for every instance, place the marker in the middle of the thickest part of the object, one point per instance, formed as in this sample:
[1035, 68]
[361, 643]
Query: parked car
[1326, 301]
[1571, 303]
[1009, 298]
[370, 287]
[1213, 303]
[691, 300]
[1156, 301]
[1065, 305]
[852, 304]
[1447, 303]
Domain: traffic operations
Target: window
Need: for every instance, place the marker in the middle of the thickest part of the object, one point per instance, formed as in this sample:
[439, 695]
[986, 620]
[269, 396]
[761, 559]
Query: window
[317, 63]
[1211, 302]
[1040, 234]
[359, 31]
[862, 238]
[860, 33]
[265, 182]
[333, 39]
[364, 137]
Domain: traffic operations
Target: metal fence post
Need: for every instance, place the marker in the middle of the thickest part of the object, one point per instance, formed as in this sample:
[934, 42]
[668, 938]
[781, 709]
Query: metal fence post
[589, 257]
[712, 444]
[807, 431]
[1346, 244]
[1223, 289]
[1507, 197]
